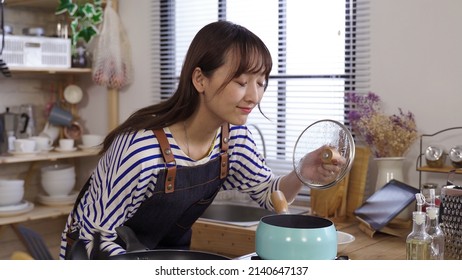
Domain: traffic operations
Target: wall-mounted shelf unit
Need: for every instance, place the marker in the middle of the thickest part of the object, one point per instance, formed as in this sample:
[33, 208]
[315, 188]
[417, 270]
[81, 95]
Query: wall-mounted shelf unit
[421, 158]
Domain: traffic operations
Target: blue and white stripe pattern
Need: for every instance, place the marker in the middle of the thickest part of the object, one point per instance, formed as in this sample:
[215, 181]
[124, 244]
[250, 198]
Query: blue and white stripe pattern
[127, 173]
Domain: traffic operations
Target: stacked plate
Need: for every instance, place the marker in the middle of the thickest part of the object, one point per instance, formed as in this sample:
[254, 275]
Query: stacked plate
[22, 207]
[58, 182]
[57, 200]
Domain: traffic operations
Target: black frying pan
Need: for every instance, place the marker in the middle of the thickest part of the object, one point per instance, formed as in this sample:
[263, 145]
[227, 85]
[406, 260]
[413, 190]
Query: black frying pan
[169, 255]
[137, 251]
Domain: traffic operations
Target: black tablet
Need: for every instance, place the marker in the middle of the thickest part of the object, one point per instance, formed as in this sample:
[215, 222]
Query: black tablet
[386, 203]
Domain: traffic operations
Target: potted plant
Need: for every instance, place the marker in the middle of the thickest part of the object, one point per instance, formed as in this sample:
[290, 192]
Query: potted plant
[85, 17]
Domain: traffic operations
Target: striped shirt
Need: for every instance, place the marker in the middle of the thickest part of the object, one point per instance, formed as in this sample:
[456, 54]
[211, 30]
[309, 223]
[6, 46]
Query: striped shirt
[127, 173]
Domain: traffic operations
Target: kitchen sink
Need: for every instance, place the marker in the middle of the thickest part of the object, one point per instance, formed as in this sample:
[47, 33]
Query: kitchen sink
[239, 214]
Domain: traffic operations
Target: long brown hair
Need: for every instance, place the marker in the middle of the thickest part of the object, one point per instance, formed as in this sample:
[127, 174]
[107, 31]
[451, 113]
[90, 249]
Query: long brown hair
[207, 51]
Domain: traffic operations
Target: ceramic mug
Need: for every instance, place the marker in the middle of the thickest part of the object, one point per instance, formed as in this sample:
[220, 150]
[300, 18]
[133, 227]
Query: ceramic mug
[50, 131]
[43, 143]
[73, 131]
[24, 145]
[66, 144]
[59, 116]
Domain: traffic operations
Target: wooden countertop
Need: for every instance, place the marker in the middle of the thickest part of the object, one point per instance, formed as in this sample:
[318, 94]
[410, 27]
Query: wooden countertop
[234, 241]
[380, 247]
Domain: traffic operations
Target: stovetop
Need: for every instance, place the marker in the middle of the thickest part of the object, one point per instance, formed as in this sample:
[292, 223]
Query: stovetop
[254, 256]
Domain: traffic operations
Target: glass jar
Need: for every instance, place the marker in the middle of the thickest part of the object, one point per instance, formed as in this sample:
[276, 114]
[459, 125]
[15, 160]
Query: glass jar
[80, 57]
[455, 155]
[435, 156]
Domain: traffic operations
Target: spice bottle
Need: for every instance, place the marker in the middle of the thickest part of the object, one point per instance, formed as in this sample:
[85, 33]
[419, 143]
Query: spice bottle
[434, 230]
[418, 242]
[426, 189]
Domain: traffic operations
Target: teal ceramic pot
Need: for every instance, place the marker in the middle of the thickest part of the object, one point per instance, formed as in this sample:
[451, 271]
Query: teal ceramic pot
[296, 237]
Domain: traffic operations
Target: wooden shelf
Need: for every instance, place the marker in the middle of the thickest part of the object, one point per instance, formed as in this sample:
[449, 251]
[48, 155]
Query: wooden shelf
[45, 4]
[39, 212]
[48, 156]
[42, 4]
[420, 159]
[444, 169]
[41, 70]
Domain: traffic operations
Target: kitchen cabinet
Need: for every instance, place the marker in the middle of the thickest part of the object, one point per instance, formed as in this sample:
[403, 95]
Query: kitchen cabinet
[424, 140]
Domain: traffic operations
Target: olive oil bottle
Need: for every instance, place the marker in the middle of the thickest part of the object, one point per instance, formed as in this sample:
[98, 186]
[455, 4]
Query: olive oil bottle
[418, 242]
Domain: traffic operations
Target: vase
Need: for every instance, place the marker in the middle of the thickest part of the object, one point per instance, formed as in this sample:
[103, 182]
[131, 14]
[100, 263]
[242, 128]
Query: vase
[388, 168]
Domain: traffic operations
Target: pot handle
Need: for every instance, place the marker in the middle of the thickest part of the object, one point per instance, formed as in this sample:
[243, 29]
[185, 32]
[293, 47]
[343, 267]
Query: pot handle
[329, 153]
[279, 202]
[130, 239]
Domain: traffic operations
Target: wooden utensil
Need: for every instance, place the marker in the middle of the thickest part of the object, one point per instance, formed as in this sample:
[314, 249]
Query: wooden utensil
[328, 154]
[279, 202]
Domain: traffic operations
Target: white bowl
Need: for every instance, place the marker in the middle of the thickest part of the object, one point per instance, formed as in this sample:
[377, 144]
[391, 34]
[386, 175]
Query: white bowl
[11, 199]
[343, 240]
[92, 140]
[58, 176]
[58, 187]
[58, 169]
[11, 192]
[12, 183]
[57, 182]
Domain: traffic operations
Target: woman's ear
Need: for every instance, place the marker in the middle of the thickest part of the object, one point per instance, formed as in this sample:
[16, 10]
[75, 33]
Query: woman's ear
[198, 80]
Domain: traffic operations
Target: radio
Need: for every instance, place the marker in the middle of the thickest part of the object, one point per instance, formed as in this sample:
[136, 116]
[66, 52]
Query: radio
[31, 51]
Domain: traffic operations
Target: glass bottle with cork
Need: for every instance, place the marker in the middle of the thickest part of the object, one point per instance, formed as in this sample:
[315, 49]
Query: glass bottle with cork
[418, 242]
[426, 188]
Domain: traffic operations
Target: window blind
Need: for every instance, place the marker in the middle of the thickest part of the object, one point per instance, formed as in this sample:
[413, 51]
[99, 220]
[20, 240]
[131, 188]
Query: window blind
[320, 50]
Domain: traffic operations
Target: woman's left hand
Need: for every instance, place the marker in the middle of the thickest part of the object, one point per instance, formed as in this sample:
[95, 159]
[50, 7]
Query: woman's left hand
[322, 165]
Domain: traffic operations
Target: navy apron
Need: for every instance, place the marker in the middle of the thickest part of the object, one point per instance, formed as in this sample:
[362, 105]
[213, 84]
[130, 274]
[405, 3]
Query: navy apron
[181, 195]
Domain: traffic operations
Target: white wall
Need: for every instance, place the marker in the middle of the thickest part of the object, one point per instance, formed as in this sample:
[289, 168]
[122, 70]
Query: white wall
[135, 19]
[416, 64]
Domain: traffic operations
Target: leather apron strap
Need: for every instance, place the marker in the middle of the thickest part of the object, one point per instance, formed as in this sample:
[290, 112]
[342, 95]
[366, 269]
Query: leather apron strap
[167, 154]
[224, 162]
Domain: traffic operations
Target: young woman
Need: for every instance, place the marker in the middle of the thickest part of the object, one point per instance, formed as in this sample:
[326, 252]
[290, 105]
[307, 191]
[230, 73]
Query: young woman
[164, 165]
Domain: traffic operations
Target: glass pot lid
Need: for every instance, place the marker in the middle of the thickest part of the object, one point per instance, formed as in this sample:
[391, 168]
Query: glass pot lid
[324, 133]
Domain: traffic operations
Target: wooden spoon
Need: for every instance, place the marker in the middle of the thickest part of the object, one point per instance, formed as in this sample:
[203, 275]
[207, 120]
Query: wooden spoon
[279, 202]
[279, 199]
